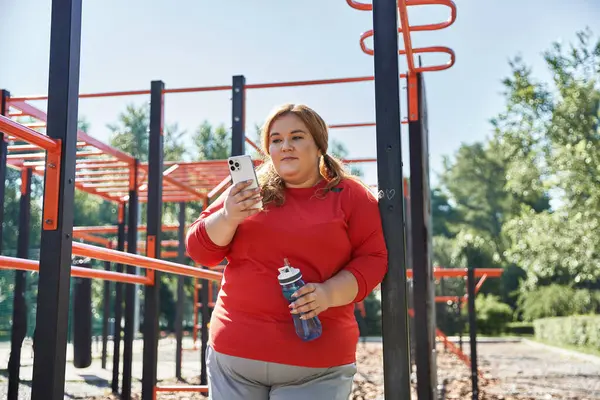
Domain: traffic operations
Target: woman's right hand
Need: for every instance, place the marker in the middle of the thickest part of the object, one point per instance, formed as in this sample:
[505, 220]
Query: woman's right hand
[240, 202]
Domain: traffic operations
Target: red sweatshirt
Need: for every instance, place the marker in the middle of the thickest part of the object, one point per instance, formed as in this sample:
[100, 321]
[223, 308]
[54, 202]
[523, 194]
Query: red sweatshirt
[251, 318]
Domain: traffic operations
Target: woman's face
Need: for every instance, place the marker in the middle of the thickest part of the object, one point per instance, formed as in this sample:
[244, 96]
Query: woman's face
[294, 152]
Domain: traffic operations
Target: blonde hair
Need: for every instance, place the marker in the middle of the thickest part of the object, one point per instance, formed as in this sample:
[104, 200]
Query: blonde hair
[330, 168]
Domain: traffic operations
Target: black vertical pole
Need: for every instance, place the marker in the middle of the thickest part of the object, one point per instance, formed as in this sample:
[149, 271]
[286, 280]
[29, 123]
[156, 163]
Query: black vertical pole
[238, 143]
[424, 299]
[19, 327]
[396, 355]
[472, 328]
[459, 319]
[4, 96]
[153, 239]
[205, 311]
[105, 312]
[118, 304]
[129, 330]
[55, 252]
[180, 292]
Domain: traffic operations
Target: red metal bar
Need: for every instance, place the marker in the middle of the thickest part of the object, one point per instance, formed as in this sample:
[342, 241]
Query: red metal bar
[254, 145]
[309, 83]
[358, 160]
[362, 124]
[41, 156]
[16, 101]
[173, 389]
[219, 187]
[78, 272]
[360, 6]
[166, 178]
[120, 257]
[39, 114]
[462, 272]
[8, 126]
[405, 29]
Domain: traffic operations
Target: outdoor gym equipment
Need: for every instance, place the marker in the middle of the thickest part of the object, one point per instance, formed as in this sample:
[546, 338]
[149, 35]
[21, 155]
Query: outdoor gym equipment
[64, 162]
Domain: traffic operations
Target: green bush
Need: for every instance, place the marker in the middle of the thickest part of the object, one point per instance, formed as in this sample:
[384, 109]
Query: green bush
[579, 331]
[373, 318]
[557, 301]
[492, 315]
[520, 328]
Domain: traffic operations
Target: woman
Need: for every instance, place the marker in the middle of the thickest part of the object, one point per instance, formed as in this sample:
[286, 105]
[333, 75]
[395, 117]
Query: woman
[327, 224]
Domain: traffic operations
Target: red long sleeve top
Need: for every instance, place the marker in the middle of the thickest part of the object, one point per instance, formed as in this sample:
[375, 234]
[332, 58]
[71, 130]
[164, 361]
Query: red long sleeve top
[319, 236]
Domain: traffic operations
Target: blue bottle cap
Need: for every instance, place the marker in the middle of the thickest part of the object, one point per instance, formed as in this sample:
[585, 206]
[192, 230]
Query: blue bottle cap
[288, 274]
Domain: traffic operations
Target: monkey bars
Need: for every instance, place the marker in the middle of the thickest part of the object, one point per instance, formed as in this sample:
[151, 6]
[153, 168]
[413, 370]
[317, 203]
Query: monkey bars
[409, 51]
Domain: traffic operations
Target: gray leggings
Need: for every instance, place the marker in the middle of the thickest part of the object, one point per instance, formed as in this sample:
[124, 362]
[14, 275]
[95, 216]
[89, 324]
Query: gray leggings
[234, 378]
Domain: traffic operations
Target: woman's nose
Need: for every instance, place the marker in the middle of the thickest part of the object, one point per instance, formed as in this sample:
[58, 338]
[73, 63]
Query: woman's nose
[286, 145]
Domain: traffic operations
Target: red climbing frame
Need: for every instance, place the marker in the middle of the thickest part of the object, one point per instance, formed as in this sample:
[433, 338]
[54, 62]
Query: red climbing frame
[409, 51]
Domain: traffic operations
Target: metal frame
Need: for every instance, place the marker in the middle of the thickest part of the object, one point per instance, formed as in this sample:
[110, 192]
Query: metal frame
[19, 327]
[129, 329]
[394, 307]
[55, 250]
[423, 279]
[180, 291]
[153, 239]
[118, 303]
[95, 162]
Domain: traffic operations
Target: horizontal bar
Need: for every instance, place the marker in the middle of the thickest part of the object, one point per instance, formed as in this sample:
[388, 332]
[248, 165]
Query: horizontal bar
[8, 126]
[358, 125]
[173, 182]
[358, 160]
[28, 147]
[77, 272]
[195, 389]
[42, 156]
[114, 229]
[81, 135]
[462, 272]
[309, 83]
[120, 257]
[20, 99]
[219, 187]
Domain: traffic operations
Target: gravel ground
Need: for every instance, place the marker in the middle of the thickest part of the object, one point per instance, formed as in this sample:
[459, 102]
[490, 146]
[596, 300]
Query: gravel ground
[510, 371]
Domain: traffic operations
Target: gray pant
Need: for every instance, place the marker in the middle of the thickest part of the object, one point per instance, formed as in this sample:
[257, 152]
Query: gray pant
[234, 378]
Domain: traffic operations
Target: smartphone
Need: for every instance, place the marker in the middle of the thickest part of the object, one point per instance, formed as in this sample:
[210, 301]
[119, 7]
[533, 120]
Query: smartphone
[241, 168]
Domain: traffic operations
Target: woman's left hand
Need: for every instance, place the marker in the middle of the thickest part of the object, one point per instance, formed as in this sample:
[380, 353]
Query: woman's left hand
[312, 299]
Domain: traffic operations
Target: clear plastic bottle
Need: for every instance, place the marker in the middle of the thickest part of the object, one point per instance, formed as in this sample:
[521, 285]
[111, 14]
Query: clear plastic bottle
[290, 279]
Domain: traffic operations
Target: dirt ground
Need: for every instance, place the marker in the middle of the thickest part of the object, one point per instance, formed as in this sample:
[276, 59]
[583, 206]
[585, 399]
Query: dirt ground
[509, 371]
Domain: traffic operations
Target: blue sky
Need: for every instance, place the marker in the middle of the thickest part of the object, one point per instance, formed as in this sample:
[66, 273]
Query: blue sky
[126, 44]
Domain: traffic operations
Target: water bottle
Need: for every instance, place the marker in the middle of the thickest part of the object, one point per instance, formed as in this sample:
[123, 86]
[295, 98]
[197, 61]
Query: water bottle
[290, 279]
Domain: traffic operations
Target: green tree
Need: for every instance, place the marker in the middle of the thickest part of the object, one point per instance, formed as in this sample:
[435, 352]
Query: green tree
[130, 132]
[211, 143]
[560, 245]
[444, 216]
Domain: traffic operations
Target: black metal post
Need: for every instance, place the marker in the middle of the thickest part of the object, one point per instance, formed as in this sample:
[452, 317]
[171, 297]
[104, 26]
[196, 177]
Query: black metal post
[423, 289]
[205, 311]
[472, 328]
[55, 252]
[129, 330]
[105, 312]
[82, 317]
[19, 327]
[4, 97]
[180, 292]
[118, 304]
[460, 323]
[396, 353]
[153, 239]
[238, 126]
